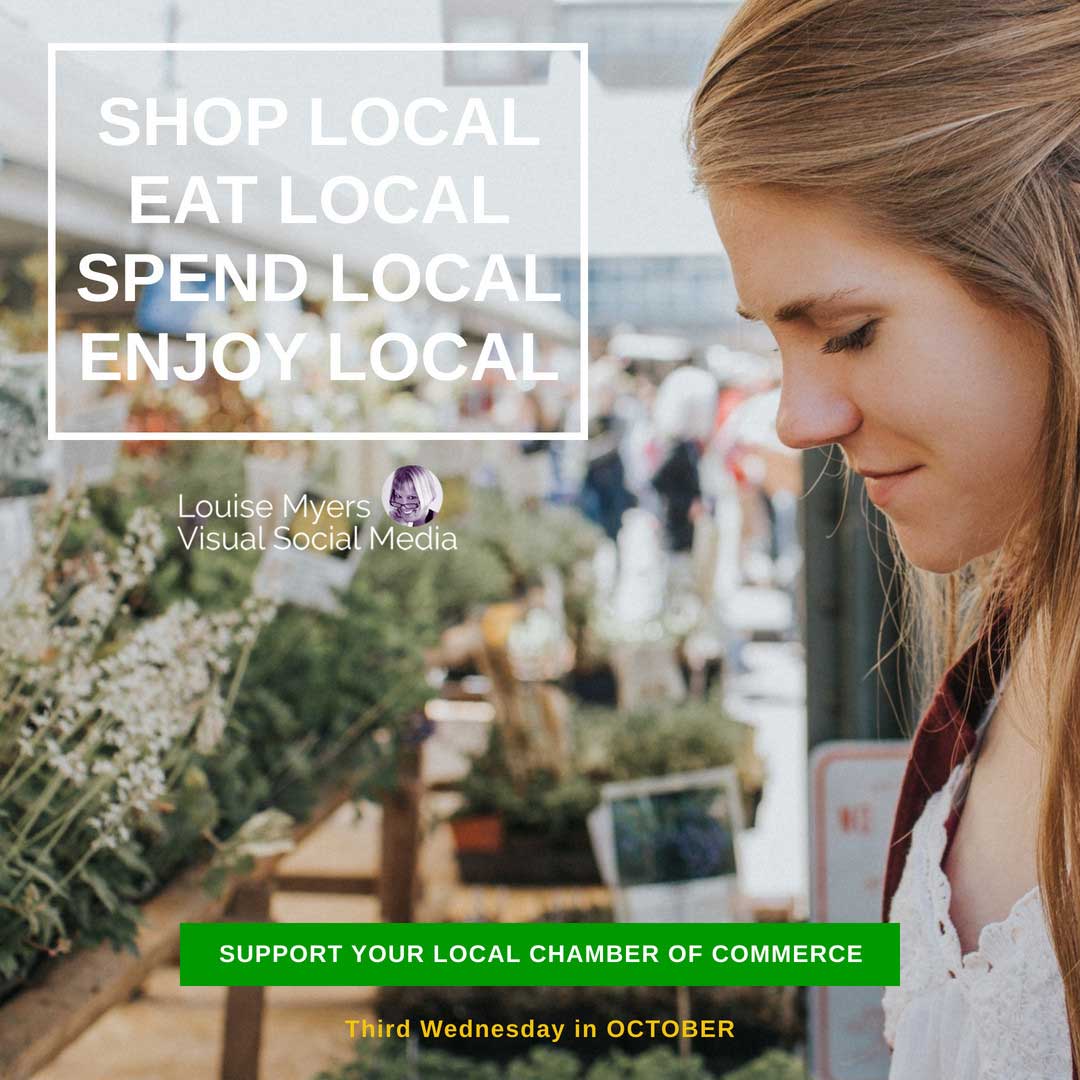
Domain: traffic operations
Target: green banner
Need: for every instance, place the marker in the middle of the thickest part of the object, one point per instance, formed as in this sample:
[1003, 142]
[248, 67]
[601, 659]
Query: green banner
[539, 954]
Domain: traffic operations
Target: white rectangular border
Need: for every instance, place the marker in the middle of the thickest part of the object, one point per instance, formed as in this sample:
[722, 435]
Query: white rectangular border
[580, 47]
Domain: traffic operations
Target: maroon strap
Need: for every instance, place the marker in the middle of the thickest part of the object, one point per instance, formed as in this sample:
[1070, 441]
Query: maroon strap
[942, 740]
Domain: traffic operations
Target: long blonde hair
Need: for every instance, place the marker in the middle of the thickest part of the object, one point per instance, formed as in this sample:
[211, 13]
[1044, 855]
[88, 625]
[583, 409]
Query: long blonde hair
[954, 127]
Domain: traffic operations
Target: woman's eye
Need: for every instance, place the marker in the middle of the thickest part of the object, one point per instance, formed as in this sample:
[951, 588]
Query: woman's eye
[857, 339]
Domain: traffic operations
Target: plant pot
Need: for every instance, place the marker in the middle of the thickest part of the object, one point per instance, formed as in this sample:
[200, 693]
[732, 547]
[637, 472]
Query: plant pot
[479, 834]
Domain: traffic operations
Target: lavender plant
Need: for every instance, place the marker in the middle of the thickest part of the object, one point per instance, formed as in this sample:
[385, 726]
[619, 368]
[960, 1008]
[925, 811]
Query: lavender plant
[99, 721]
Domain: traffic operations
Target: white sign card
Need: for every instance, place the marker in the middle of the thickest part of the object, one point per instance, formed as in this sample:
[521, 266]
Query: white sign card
[667, 845]
[854, 787]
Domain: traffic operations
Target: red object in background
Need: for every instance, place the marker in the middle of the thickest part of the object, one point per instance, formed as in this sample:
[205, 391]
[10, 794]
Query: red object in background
[729, 399]
[481, 833]
[855, 818]
[150, 420]
[726, 403]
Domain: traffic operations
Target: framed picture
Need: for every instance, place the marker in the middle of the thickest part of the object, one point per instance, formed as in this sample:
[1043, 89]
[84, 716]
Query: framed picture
[668, 845]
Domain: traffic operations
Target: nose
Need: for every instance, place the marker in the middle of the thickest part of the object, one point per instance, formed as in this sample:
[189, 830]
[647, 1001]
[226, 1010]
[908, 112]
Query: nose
[814, 410]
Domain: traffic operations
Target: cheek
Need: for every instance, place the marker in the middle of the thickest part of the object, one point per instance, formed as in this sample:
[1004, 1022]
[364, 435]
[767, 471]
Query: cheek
[969, 402]
[990, 401]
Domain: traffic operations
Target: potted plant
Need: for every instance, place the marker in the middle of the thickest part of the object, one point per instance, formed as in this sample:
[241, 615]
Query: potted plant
[542, 814]
[662, 739]
[537, 818]
[477, 825]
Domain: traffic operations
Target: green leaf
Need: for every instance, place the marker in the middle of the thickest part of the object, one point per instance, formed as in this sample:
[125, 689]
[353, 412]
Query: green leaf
[108, 898]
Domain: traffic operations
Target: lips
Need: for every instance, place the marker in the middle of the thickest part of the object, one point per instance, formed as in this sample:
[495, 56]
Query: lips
[883, 487]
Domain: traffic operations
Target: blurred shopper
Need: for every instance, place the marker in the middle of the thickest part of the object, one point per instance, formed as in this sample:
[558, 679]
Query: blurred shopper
[604, 496]
[769, 474]
[679, 484]
[685, 409]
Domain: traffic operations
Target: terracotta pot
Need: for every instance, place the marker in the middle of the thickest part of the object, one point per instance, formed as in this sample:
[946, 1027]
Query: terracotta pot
[481, 833]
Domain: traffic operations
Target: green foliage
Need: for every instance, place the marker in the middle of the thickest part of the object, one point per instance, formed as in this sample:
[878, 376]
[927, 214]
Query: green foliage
[528, 541]
[317, 686]
[501, 552]
[24, 311]
[317, 689]
[545, 1063]
[100, 716]
[196, 470]
[544, 804]
[608, 745]
[659, 1063]
[657, 740]
[173, 836]
[772, 1065]
[455, 582]
[22, 412]
[392, 1059]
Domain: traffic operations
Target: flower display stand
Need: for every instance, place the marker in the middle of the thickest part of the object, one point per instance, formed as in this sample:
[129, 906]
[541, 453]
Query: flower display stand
[57, 1006]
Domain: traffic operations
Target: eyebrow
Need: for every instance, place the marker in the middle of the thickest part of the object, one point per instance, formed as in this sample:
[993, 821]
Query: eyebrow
[796, 309]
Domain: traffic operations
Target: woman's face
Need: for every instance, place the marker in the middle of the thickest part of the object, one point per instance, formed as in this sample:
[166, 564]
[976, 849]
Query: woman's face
[935, 398]
[404, 501]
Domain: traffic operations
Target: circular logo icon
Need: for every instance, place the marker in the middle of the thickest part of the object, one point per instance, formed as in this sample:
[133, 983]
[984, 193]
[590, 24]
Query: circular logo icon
[412, 495]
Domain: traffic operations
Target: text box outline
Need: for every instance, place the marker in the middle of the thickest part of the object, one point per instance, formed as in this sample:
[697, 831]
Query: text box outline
[582, 434]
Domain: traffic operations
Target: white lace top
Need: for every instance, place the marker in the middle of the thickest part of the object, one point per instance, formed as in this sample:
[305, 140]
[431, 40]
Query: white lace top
[997, 1013]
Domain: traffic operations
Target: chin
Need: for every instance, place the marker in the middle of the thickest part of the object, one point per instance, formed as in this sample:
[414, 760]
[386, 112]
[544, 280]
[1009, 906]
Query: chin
[936, 554]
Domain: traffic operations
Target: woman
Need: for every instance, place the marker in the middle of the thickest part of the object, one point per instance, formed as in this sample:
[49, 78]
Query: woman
[897, 185]
[414, 496]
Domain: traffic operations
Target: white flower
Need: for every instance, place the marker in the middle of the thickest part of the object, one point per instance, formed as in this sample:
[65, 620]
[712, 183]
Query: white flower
[104, 727]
